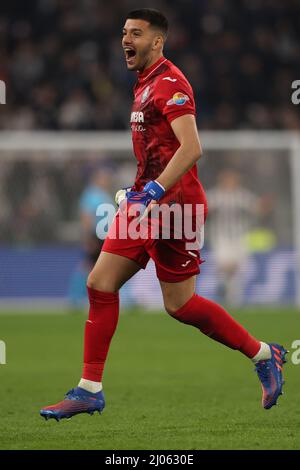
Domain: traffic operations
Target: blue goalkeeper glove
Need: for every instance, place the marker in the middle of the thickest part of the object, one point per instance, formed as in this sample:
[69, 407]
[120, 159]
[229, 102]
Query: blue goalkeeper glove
[152, 191]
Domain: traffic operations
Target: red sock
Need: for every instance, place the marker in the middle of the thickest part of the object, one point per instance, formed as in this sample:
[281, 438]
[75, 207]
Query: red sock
[99, 330]
[216, 323]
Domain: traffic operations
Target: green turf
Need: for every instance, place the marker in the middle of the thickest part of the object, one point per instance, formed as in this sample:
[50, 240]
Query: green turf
[167, 386]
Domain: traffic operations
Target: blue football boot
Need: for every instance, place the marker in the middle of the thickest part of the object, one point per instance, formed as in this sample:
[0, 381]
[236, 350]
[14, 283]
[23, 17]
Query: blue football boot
[270, 375]
[76, 401]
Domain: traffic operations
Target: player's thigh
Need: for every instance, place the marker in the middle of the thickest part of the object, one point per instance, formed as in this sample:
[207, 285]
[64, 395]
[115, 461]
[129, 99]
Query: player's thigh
[111, 272]
[176, 294]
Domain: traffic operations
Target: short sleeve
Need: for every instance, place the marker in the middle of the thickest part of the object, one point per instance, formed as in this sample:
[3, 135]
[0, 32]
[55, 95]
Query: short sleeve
[174, 98]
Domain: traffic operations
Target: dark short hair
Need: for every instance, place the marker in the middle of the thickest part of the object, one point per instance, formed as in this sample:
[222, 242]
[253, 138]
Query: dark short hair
[154, 17]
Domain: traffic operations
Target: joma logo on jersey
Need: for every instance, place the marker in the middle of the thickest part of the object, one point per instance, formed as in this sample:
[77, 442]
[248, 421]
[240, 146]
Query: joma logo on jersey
[137, 116]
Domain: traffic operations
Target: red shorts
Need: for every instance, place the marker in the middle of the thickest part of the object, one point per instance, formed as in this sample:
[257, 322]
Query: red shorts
[174, 262]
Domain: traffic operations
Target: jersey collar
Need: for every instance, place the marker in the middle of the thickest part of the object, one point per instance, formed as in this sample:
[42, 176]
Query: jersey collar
[142, 76]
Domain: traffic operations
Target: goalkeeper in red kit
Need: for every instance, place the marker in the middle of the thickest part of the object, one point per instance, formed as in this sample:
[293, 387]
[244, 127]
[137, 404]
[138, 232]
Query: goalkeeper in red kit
[167, 147]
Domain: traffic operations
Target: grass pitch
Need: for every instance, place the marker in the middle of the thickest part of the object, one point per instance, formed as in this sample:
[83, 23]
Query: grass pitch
[166, 385]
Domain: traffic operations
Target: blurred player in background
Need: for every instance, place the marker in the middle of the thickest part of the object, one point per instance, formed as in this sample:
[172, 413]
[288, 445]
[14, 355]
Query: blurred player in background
[235, 217]
[233, 211]
[167, 147]
[96, 193]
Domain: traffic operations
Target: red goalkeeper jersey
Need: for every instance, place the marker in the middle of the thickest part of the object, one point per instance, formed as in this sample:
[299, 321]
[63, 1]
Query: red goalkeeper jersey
[161, 94]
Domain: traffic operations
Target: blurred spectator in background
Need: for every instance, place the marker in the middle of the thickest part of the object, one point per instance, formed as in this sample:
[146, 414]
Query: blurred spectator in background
[39, 212]
[234, 213]
[64, 69]
[5, 206]
[97, 192]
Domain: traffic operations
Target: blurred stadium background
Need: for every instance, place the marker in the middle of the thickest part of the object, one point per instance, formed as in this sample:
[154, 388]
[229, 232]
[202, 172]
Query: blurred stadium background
[65, 145]
[67, 117]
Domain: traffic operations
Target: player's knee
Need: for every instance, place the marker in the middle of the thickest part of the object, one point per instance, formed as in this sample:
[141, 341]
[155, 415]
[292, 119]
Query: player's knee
[172, 308]
[91, 281]
[101, 283]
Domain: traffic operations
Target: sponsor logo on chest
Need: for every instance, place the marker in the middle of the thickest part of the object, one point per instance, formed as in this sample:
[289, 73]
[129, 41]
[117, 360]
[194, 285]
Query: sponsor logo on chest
[137, 116]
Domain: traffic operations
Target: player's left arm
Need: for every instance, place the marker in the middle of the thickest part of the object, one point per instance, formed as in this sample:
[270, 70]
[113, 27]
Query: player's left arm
[189, 151]
[187, 154]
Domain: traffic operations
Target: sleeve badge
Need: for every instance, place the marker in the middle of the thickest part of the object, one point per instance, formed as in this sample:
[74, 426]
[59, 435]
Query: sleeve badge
[178, 98]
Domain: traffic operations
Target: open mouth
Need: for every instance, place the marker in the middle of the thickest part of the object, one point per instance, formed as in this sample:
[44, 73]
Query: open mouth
[129, 54]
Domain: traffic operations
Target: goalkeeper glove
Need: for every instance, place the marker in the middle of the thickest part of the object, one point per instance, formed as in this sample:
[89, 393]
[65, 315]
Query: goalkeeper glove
[121, 195]
[152, 191]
